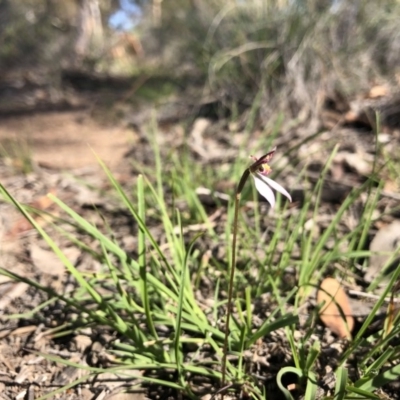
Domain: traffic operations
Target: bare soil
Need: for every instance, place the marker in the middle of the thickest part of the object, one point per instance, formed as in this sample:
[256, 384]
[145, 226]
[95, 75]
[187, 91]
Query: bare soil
[66, 140]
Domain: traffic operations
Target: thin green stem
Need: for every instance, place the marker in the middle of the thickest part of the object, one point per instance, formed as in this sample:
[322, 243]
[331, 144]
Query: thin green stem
[252, 169]
[243, 180]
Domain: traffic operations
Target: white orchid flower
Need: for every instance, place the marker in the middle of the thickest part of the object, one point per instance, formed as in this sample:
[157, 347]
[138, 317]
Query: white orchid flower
[264, 185]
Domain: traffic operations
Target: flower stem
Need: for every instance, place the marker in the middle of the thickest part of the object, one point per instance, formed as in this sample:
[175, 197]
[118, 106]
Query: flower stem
[239, 189]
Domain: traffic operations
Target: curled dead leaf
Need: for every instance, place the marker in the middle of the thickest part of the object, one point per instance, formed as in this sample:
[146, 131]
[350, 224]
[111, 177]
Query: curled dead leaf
[330, 297]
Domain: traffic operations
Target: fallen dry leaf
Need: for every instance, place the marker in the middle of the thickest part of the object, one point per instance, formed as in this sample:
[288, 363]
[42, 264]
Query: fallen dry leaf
[384, 244]
[331, 296]
[355, 161]
[391, 186]
[22, 225]
[44, 202]
[10, 292]
[378, 91]
[46, 261]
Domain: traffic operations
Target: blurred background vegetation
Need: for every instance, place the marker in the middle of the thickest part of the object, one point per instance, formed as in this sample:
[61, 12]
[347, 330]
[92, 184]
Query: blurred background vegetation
[290, 56]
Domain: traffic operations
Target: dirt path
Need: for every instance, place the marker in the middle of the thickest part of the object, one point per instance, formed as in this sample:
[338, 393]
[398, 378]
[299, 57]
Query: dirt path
[65, 140]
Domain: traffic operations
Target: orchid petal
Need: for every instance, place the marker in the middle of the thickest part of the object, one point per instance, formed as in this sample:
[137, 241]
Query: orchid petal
[264, 189]
[275, 185]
